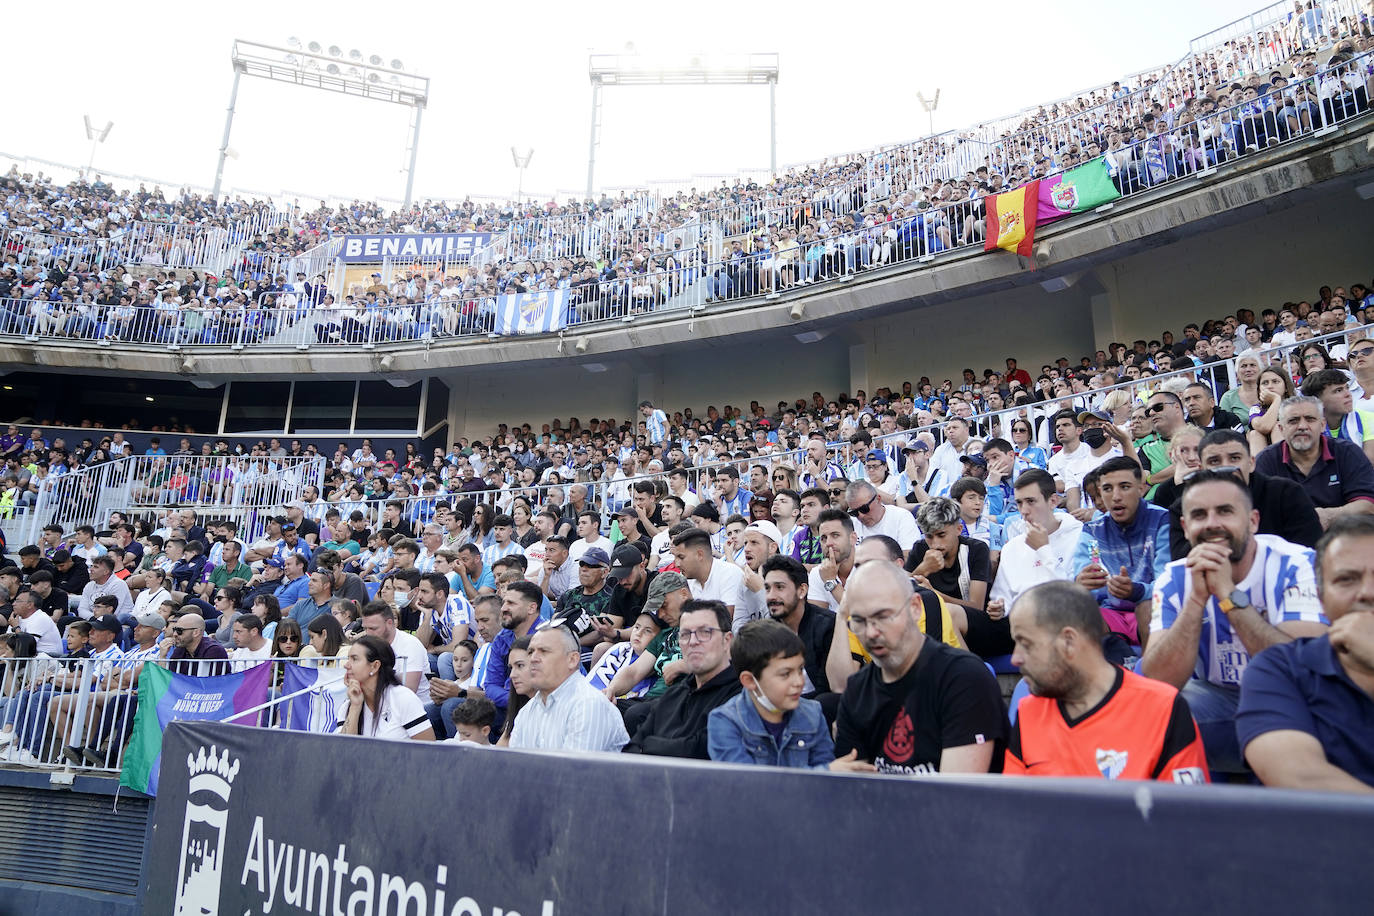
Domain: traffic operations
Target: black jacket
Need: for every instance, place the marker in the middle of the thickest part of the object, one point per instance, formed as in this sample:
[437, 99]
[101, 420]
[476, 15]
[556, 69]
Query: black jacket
[1285, 509]
[816, 629]
[676, 724]
[73, 580]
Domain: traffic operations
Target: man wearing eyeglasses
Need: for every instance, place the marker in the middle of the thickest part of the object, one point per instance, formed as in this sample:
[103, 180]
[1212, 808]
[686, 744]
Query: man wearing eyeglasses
[921, 707]
[676, 723]
[872, 517]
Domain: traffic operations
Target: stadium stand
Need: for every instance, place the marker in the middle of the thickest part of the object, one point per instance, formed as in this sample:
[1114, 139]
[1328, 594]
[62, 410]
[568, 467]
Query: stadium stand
[768, 524]
[86, 262]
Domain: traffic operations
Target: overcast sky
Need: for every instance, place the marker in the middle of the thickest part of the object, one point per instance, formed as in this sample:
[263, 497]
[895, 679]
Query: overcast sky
[515, 74]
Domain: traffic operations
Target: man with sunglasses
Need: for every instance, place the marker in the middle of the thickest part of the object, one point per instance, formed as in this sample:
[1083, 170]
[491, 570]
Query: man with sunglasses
[872, 517]
[191, 652]
[1165, 414]
[1361, 358]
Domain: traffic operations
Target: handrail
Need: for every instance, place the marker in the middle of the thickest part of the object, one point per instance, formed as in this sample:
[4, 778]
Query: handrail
[1200, 149]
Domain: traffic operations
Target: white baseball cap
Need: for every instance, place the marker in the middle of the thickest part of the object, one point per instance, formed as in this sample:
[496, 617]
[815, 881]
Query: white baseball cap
[768, 530]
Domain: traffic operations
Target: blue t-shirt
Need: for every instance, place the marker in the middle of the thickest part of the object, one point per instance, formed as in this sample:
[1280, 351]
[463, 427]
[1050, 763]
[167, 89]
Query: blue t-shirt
[1301, 686]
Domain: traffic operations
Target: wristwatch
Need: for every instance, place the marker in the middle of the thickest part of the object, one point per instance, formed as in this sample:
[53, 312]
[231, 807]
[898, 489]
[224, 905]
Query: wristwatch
[1238, 598]
[831, 584]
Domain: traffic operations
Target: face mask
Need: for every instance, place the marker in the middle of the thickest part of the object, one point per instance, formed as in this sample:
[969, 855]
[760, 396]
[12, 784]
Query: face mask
[1094, 437]
[402, 599]
[763, 701]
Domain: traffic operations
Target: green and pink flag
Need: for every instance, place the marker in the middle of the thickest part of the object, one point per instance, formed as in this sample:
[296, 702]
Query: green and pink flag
[165, 697]
[1086, 187]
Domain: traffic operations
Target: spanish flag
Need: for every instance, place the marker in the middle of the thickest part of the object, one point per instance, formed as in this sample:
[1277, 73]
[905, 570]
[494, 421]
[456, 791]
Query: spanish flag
[1011, 219]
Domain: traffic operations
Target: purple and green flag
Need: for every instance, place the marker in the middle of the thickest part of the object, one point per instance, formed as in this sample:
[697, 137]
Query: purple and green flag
[164, 697]
[1084, 188]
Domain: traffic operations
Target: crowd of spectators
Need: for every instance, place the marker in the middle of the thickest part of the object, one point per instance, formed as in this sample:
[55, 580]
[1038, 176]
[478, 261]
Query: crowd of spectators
[1178, 569]
[619, 256]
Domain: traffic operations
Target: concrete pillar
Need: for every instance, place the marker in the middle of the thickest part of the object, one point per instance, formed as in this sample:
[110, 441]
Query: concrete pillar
[457, 407]
[1106, 309]
[858, 368]
[648, 387]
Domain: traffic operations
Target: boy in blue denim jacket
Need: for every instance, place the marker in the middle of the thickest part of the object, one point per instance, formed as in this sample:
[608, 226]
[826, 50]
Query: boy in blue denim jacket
[769, 723]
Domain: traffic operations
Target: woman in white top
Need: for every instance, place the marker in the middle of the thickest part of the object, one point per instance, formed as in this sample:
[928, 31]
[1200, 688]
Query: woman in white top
[327, 645]
[378, 705]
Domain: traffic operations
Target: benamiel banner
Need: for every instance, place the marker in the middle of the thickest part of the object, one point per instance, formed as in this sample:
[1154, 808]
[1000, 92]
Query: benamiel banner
[420, 246]
[164, 697]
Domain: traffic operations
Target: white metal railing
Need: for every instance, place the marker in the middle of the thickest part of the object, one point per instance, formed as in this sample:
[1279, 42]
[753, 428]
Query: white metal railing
[1314, 105]
[172, 243]
[47, 705]
[238, 488]
[78, 714]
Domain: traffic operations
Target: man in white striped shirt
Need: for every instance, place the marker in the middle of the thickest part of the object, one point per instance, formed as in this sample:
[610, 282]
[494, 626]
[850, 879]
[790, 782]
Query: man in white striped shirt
[655, 423]
[502, 545]
[567, 712]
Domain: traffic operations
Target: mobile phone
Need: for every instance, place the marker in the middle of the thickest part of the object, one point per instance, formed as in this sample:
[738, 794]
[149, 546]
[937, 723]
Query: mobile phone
[431, 675]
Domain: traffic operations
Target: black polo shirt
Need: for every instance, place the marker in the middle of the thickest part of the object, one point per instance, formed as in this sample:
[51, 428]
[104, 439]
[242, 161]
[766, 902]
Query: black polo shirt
[1341, 475]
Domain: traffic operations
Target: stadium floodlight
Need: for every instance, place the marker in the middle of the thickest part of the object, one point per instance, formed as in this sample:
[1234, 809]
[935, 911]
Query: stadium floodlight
[632, 69]
[312, 69]
[930, 105]
[293, 43]
[97, 137]
[521, 163]
[396, 64]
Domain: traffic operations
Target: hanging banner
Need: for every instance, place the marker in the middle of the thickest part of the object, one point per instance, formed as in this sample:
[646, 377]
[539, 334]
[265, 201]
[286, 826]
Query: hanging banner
[532, 313]
[456, 246]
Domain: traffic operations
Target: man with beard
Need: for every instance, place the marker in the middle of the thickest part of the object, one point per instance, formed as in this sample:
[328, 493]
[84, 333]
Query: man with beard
[1234, 595]
[1306, 707]
[1086, 716]
[761, 540]
[785, 588]
[1334, 472]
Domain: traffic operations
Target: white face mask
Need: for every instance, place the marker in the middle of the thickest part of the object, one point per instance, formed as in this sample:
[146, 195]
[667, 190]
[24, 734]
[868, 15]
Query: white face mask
[402, 599]
[760, 698]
